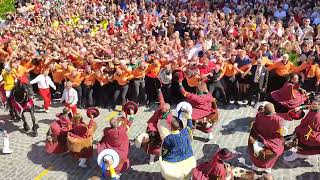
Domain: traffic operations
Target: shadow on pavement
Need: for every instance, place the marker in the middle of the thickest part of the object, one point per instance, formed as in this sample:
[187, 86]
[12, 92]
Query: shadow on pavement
[237, 125]
[282, 164]
[142, 175]
[137, 156]
[46, 121]
[309, 176]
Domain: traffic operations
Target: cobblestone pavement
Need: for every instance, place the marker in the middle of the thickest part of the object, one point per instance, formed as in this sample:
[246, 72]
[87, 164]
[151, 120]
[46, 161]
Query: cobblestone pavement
[29, 159]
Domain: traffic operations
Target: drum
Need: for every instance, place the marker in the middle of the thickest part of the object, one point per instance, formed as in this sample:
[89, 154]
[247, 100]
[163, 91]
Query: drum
[243, 174]
[290, 141]
[149, 141]
[264, 155]
[178, 170]
[206, 123]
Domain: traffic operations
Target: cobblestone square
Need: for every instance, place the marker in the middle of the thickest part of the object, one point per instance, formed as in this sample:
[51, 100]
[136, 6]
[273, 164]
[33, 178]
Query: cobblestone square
[30, 161]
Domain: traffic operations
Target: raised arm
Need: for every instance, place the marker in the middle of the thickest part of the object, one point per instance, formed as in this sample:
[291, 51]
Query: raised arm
[183, 91]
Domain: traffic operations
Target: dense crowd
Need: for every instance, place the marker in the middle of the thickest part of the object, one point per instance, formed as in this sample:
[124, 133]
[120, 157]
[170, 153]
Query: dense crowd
[111, 52]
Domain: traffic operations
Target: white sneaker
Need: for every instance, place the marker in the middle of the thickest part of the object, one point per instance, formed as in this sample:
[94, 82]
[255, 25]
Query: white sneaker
[47, 111]
[6, 151]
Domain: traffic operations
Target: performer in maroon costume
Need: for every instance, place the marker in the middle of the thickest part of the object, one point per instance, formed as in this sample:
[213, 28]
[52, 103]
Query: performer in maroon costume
[267, 130]
[116, 138]
[289, 96]
[150, 140]
[216, 169]
[80, 139]
[57, 135]
[308, 132]
[205, 111]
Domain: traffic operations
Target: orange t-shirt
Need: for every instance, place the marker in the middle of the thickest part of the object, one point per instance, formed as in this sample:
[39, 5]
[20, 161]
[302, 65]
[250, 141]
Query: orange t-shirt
[76, 80]
[154, 68]
[229, 70]
[138, 73]
[122, 78]
[89, 79]
[282, 69]
[21, 71]
[58, 74]
[193, 81]
[102, 79]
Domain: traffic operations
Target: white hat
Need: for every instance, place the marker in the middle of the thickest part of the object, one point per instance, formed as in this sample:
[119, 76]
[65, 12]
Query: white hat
[183, 106]
[108, 154]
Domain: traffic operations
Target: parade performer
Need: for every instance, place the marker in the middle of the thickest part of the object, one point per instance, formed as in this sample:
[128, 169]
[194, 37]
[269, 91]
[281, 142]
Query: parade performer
[266, 143]
[70, 97]
[289, 96]
[307, 134]
[7, 79]
[176, 158]
[116, 138]
[150, 140]
[44, 83]
[57, 134]
[80, 138]
[205, 112]
[216, 168]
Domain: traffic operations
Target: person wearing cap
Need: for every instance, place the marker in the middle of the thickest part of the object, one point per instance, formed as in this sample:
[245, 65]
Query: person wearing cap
[88, 82]
[205, 108]
[80, 139]
[290, 96]
[176, 160]
[280, 71]
[265, 143]
[76, 77]
[116, 138]
[44, 83]
[56, 141]
[308, 132]
[217, 168]
[70, 97]
[165, 76]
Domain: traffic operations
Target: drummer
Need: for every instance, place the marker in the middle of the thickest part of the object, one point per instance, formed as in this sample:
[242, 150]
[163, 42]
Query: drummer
[308, 132]
[265, 144]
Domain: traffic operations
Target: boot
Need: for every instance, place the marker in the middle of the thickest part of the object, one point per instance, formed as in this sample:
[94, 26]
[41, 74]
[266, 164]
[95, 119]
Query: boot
[82, 163]
[6, 143]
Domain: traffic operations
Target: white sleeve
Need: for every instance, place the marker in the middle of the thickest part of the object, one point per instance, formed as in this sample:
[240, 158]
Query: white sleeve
[75, 93]
[52, 84]
[35, 80]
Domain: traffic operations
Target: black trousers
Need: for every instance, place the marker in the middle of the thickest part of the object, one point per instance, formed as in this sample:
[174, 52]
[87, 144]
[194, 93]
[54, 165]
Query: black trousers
[151, 89]
[217, 90]
[79, 92]
[166, 91]
[275, 82]
[231, 85]
[140, 95]
[87, 95]
[120, 89]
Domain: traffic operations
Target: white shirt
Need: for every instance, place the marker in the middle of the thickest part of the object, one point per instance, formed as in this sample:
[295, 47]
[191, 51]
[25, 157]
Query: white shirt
[70, 96]
[44, 82]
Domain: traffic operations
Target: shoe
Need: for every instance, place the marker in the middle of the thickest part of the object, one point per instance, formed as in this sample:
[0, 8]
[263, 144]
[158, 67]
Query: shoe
[6, 151]
[47, 110]
[151, 161]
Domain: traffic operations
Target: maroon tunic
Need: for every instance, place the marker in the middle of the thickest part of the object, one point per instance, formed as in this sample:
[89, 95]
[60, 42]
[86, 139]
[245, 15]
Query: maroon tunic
[201, 104]
[289, 96]
[309, 145]
[210, 170]
[267, 129]
[59, 130]
[154, 147]
[116, 139]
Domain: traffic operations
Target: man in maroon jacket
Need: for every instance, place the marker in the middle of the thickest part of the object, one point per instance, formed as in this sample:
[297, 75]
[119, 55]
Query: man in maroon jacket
[116, 138]
[265, 143]
[308, 132]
